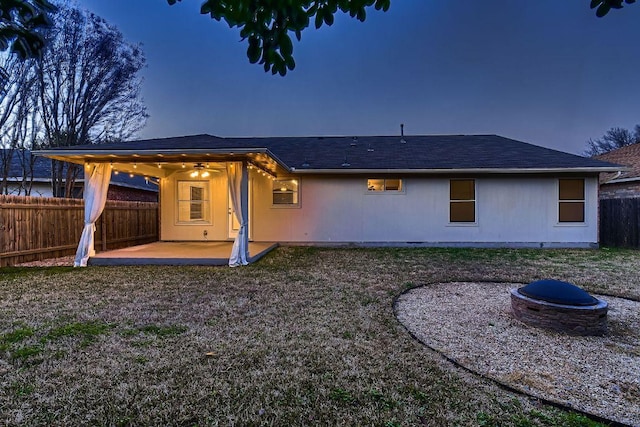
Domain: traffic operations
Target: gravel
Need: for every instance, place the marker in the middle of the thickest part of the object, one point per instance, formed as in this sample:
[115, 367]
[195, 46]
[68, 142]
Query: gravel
[472, 324]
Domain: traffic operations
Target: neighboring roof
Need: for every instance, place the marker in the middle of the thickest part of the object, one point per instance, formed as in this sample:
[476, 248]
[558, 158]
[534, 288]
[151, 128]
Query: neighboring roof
[628, 156]
[482, 153]
[42, 173]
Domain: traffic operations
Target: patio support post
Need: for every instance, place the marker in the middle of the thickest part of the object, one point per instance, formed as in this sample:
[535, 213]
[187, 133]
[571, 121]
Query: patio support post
[96, 186]
[238, 178]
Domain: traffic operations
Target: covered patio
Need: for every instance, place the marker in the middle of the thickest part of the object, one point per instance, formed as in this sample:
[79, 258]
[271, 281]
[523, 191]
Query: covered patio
[197, 182]
[178, 253]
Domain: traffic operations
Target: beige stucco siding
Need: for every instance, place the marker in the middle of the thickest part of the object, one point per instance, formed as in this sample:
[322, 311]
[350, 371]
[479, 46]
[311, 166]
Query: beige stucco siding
[216, 228]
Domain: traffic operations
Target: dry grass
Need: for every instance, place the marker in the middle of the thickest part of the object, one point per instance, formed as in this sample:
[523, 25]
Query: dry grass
[304, 337]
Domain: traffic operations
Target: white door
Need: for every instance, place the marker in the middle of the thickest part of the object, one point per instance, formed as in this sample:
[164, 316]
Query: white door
[234, 225]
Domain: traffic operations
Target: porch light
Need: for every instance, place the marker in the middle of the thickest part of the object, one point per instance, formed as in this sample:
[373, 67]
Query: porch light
[135, 165]
[130, 175]
[116, 172]
[183, 165]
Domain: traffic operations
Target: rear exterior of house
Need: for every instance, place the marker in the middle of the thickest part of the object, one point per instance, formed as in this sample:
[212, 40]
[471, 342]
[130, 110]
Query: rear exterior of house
[477, 190]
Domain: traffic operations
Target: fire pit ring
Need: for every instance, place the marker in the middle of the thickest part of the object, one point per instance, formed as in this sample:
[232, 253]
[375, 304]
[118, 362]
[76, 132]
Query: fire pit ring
[559, 306]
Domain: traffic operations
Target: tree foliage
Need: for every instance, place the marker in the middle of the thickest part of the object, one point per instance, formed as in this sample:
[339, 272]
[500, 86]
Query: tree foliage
[268, 25]
[613, 139]
[20, 25]
[603, 7]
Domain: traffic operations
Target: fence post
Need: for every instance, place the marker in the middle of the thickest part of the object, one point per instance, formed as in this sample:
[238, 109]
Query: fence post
[104, 231]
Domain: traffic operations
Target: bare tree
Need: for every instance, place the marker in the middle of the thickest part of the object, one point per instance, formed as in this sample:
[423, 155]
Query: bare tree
[613, 139]
[89, 87]
[19, 125]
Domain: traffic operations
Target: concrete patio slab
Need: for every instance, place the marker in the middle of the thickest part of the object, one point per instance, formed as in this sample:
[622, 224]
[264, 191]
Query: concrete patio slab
[178, 253]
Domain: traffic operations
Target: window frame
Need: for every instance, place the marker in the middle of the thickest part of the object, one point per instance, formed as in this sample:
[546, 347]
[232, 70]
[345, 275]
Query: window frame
[474, 200]
[384, 190]
[274, 191]
[582, 201]
[205, 203]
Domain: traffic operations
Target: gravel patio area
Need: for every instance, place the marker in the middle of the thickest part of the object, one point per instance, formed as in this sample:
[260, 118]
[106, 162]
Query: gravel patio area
[471, 323]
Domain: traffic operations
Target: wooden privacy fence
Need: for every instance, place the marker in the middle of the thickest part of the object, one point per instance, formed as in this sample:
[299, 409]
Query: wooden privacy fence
[36, 228]
[620, 222]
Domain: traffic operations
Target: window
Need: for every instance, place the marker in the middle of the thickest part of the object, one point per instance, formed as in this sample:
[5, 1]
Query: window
[193, 201]
[286, 192]
[462, 200]
[571, 200]
[382, 185]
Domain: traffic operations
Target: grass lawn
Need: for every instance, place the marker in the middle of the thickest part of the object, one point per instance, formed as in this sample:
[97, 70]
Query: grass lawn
[306, 336]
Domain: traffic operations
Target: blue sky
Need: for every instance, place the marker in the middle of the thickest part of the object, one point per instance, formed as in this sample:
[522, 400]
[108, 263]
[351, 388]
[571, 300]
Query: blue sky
[546, 72]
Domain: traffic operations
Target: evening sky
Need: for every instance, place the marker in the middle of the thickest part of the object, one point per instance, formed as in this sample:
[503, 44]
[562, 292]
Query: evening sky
[546, 72]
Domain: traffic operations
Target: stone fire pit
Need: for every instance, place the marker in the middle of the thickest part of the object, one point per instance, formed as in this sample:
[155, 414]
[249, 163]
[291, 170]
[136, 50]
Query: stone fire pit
[559, 306]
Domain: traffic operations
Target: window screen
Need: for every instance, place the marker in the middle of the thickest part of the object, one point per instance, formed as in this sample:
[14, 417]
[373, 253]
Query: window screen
[571, 200]
[462, 200]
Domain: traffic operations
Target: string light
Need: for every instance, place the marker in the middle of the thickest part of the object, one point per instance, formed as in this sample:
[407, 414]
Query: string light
[261, 171]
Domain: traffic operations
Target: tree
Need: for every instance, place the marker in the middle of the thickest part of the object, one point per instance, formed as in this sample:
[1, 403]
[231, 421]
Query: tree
[18, 124]
[613, 139]
[267, 24]
[88, 87]
[604, 6]
[20, 25]
[83, 89]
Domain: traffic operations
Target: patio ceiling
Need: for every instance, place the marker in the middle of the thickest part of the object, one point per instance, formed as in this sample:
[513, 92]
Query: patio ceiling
[163, 163]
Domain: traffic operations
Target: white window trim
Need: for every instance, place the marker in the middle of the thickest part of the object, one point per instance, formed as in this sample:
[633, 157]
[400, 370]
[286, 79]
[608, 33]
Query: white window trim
[200, 222]
[287, 205]
[475, 201]
[557, 205]
[385, 191]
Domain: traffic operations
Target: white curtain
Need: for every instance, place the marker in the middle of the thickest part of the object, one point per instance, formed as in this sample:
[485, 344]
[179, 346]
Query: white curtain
[238, 189]
[96, 185]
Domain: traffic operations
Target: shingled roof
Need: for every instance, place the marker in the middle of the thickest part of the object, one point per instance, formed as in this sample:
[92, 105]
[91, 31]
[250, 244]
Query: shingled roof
[628, 156]
[407, 153]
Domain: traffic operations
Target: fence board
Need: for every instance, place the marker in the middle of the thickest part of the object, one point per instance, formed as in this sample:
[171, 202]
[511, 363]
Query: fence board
[36, 228]
[620, 222]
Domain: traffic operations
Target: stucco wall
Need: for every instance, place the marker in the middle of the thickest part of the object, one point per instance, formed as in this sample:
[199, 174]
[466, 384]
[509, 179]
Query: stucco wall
[516, 209]
[217, 227]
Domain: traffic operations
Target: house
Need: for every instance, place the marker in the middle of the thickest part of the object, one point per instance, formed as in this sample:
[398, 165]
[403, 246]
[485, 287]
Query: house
[34, 173]
[625, 183]
[455, 190]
